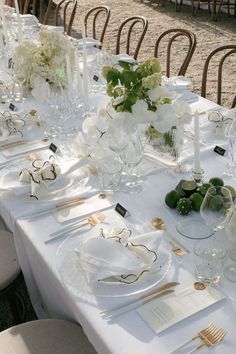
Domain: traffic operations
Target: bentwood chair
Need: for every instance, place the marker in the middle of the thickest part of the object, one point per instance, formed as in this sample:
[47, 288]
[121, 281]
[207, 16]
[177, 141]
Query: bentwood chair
[66, 8]
[35, 7]
[218, 58]
[101, 14]
[135, 26]
[216, 7]
[50, 336]
[234, 102]
[170, 39]
[10, 277]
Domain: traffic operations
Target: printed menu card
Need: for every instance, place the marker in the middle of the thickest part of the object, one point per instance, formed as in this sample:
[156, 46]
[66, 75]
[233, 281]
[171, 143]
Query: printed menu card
[163, 313]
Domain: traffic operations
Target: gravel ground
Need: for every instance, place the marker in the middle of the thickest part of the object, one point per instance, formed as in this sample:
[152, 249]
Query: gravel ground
[210, 35]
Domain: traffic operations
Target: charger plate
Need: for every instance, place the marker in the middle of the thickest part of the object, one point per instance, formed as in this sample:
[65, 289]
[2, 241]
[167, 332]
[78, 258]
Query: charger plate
[74, 278]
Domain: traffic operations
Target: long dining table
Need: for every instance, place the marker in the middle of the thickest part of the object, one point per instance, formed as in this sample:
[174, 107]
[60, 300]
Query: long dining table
[56, 291]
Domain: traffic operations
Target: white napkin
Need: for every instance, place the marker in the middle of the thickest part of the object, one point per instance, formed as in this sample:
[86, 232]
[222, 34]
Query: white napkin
[102, 258]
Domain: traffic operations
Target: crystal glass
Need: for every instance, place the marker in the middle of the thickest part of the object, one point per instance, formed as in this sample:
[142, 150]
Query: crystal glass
[216, 208]
[109, 174]
[209, 257]
[230, 269]
[131, 157]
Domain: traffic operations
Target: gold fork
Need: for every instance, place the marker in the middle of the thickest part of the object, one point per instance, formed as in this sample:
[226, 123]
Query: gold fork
[92, 220]
[179, 251]
[210, 336]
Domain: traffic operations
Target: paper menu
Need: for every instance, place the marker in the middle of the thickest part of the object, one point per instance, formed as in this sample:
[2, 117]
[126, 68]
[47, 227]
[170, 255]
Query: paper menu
[167, 311]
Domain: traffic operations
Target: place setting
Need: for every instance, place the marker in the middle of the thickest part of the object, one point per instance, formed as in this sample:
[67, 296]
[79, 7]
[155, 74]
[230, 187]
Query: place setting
[112, 261]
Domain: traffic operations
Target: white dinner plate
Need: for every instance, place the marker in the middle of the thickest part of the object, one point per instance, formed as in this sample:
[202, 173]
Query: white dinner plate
[71, 273]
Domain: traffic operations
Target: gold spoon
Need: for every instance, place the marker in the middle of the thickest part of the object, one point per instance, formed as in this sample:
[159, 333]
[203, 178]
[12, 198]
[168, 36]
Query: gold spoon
[158, 223]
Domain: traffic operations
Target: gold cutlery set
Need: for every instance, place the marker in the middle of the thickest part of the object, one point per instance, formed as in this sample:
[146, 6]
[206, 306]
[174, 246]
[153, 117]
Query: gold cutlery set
[142, 300]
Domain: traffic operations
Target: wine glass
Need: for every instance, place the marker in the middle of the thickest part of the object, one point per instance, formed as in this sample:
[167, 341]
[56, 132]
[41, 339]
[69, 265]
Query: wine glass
[230, 269]
[216, 208]
[131, 157]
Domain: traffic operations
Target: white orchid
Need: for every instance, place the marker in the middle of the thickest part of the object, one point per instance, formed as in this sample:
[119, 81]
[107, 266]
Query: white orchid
[159, 94]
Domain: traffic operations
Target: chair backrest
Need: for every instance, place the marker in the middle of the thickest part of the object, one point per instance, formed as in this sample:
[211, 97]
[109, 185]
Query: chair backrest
[171, 36]
[101, 14]
[224, 52]
[34, 7]
[132, 23]
[68, 10]
[234, 102]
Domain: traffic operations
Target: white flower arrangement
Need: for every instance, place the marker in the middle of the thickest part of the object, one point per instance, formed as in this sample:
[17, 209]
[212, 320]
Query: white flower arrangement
[137, 97]
[44, 61]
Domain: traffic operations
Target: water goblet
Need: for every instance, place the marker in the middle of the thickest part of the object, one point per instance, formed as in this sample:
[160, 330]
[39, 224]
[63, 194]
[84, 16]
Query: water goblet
[216, 208]
[131, 157]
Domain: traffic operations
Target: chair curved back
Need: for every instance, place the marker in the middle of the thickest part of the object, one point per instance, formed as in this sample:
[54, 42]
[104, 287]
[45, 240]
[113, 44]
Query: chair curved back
[31, 6]
[131, 22]
[227, 50]
[173, 34]
[68, 17]
[234, 102]
[93, 15]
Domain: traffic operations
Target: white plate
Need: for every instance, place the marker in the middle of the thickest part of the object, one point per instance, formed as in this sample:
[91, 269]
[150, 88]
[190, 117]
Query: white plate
[68, 267]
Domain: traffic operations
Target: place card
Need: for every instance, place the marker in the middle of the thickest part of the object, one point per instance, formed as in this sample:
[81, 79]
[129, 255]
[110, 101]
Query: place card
[12, 107]
[163, 313]
[121, 210]
[219, 150]
[53, 147]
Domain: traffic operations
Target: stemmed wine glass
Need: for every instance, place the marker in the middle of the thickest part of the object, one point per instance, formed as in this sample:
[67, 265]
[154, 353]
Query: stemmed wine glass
[131, 157]
[216, 208]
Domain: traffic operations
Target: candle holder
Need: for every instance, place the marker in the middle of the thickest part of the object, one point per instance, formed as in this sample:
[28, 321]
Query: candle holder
[197, 175]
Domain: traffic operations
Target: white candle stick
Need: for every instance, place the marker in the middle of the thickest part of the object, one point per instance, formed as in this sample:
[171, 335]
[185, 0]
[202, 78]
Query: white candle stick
[3, 22]
[78, 82]
[197, 166]
[68, 67]
[19, 23]
[85, 69]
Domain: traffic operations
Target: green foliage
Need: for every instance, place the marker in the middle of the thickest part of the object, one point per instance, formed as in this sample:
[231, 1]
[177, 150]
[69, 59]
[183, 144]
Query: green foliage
[124, 80]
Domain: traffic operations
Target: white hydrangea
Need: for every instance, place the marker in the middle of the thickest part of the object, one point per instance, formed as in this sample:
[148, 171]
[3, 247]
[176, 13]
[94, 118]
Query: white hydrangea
[46, 59]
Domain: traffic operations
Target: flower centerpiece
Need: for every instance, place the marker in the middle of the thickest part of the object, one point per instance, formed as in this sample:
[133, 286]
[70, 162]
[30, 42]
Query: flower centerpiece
[137, 93]
[43, 63]
[136, 98]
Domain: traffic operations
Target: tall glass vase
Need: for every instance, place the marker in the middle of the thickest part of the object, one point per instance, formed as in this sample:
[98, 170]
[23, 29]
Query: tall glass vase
[164, 147]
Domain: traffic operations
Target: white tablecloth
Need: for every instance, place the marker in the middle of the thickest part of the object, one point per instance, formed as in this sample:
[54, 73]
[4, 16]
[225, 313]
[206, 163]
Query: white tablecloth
[128, 333]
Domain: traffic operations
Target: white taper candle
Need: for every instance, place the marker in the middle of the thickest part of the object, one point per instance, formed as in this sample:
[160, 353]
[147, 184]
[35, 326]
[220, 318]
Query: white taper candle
[2, 14]
[19, 23]
[197, 165]
[85, 69]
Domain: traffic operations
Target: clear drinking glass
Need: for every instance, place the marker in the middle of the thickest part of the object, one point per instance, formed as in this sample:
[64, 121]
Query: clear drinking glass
[209, 258]
[109, 174]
